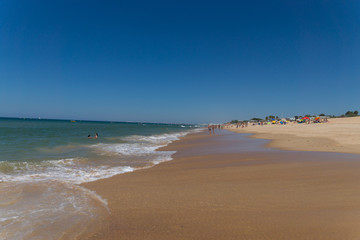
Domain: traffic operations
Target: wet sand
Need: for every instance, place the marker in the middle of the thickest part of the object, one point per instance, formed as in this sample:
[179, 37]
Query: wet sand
[228, 186]
[338, 135]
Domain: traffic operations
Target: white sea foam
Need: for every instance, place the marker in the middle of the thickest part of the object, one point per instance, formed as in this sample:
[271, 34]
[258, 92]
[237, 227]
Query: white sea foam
[64, 170]
[30, 211]
[158, 139]
[35, 196]
[77, 170]
[133, 149]
[141, 146]
[73, 170]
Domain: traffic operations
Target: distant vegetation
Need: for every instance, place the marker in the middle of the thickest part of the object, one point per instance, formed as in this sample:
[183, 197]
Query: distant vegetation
[235, 121]
[351, 114]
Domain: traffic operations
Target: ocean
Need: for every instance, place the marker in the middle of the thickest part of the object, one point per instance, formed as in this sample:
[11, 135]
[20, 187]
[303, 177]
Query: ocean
[43, 163]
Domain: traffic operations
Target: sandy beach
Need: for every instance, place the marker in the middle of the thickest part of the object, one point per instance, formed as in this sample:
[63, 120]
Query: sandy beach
[229, 186]
[338, 135]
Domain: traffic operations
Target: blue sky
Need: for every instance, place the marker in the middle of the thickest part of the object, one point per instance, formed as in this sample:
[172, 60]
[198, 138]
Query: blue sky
[178, 61]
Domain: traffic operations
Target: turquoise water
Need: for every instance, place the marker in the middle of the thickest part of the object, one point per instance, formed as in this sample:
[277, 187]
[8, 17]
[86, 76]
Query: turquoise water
[41, 158]
[29, 140]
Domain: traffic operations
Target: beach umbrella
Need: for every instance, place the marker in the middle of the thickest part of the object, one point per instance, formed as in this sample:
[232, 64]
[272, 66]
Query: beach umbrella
[305, 118]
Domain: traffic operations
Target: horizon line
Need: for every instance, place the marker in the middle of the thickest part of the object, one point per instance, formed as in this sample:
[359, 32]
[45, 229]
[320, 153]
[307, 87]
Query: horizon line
[83, 120]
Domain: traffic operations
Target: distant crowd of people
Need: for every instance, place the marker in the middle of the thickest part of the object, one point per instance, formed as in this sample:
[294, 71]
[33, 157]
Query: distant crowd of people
[283, 121]
[241, 124]
[212, 127]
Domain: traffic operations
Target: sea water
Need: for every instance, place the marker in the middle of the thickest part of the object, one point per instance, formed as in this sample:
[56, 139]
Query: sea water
[42, 163]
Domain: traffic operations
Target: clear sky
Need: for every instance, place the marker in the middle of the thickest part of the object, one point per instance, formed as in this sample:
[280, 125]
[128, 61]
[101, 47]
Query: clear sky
[178, 61]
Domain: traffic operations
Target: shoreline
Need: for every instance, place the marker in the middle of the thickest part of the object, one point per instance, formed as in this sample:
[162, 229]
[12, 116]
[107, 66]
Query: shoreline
[104, 224]
[213, 190]
[339, 135]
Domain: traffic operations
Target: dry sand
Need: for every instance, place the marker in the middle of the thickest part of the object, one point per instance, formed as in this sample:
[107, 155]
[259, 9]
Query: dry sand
[211, 190]
[338, 135]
